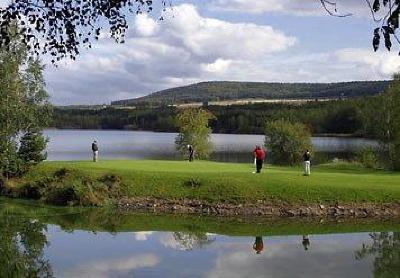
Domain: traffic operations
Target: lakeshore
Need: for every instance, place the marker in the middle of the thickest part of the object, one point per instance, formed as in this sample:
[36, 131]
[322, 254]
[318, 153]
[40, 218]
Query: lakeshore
[338, 189]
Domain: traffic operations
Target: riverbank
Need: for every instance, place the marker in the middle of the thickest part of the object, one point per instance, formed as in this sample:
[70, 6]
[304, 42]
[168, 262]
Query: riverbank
[339, 189]
[111, 220]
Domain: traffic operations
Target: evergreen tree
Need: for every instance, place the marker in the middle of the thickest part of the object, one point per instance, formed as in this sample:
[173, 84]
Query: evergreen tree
[32, 147]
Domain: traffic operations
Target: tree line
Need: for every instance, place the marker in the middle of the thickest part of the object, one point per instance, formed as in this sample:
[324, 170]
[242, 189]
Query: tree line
[226, 90]
[331, 117]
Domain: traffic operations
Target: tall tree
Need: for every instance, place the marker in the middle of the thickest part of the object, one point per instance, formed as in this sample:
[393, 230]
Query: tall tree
[382, 117]
[24, 103]
[194, 130]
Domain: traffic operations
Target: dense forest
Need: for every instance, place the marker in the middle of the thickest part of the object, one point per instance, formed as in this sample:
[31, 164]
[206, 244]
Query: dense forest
[330, 117]
[223, 90]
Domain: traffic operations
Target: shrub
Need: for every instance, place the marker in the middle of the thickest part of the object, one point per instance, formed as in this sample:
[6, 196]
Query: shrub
[61, 195]
[194, 130]
[32, 147]
[392, 155]
[368, 157]
[287, 141]
[10, 163]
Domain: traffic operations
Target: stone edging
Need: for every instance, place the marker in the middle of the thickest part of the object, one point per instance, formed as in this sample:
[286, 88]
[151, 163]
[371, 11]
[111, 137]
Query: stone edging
[261, 208]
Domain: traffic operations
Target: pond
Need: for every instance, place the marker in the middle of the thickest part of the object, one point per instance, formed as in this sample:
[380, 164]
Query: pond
[39, 241]
[75, 145]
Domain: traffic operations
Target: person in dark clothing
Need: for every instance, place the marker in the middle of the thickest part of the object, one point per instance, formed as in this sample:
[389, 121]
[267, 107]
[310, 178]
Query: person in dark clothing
[259, 155]
[191, 153]
[307, 163]
[95, 150]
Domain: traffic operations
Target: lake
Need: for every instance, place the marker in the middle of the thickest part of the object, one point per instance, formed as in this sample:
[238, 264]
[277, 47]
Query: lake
[116, 144]
[40, 241]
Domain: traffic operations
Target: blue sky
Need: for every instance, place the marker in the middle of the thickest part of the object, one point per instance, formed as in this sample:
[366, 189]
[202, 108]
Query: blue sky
[240, 40]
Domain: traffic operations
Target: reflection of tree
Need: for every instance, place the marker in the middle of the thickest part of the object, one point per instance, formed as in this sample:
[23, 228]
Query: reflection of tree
[386, 249]
[21, 248]
[190, 241]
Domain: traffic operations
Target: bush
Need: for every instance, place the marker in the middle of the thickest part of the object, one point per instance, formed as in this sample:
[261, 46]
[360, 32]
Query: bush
[287, 141]
[10, 163]
[194, 130]
[368, 157]
[392, 155]
[32, 147]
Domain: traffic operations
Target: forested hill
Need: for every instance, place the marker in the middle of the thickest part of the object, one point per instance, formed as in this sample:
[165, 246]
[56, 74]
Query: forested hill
[223, 90]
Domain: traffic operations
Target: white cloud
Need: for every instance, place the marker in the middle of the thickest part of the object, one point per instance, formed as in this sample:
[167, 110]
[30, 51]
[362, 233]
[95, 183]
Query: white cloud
[142, 236]
[219, 66]
[381, 64]
[4, 3]
[186, 47]
[145, 26]
[112, 268]
[302, 8]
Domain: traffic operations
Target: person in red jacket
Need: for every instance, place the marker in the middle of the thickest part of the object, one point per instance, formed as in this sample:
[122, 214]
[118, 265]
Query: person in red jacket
[259, 155]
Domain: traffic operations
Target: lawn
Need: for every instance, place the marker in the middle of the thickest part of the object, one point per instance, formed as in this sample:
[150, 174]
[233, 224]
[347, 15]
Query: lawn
[226, 182]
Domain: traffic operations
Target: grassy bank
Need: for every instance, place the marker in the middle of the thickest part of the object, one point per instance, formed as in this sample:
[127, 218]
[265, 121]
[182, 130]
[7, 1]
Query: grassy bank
[105, 182]
[106, 220]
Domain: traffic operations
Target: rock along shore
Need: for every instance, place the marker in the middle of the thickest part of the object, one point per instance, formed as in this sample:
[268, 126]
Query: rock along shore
[261, 208]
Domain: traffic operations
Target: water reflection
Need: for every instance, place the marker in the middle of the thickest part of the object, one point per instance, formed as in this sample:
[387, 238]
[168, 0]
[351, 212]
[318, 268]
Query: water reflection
[306, 242]
[22, 244]
[258, 245]
[385, 248]
[46, 242]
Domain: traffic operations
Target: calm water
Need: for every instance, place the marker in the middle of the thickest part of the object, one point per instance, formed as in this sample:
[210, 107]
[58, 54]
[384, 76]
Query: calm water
[75, 145]
[48, 242]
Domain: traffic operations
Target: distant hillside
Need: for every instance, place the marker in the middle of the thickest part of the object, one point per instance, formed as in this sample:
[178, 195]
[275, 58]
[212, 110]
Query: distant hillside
[223, 90]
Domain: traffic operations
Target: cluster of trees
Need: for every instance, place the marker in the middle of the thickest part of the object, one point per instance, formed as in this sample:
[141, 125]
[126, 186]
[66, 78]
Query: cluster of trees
[24, 110]
[331, 117]
[381, 118]
[223, 90]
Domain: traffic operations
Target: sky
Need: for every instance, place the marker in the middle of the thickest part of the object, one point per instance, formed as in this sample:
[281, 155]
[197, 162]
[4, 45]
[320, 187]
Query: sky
[235, 40]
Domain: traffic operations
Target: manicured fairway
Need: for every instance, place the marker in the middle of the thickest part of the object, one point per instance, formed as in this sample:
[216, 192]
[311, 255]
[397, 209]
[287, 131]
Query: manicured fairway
[228, 181]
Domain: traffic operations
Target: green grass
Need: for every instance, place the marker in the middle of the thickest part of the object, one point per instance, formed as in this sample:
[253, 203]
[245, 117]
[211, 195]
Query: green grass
[216, 182]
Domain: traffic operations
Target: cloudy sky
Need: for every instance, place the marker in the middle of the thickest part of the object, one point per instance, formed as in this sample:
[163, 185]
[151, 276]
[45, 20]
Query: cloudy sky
[267, 40]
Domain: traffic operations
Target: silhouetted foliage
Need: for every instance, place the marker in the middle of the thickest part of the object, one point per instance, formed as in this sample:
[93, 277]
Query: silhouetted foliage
[385, 14]
[62, 27]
